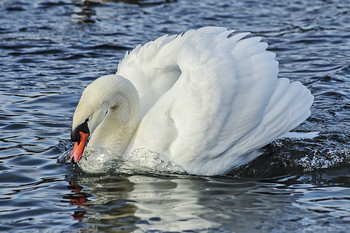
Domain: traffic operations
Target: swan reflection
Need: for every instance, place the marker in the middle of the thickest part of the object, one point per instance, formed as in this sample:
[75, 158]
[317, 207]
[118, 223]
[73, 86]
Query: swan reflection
[178, 203]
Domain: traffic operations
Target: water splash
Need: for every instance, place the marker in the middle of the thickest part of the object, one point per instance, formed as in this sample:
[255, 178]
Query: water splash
[281, 157]
[139, 161]
[293, 156]
[324, 159]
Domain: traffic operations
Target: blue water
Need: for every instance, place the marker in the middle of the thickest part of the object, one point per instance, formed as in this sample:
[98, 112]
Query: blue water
[50, 50]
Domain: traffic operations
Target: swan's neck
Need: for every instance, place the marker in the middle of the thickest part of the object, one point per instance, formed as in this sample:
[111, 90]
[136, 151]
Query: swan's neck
[118, 126]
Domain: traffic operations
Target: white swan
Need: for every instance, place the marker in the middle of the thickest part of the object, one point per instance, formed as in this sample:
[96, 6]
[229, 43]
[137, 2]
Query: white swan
[205, 100]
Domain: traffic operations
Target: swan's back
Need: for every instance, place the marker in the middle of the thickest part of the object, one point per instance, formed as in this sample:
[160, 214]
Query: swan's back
[211, 98]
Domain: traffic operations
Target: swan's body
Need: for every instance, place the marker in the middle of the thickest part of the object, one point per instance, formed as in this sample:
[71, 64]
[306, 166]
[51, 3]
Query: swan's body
[206, 100]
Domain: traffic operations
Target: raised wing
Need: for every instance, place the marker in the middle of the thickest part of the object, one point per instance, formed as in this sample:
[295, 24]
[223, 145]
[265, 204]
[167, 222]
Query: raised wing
[213, 98]
[152, 68]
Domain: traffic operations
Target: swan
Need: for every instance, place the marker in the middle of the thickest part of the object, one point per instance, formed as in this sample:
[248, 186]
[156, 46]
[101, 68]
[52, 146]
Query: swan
[206, 100]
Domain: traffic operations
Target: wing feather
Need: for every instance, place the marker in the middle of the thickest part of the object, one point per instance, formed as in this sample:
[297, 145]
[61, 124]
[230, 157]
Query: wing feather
[212, 98]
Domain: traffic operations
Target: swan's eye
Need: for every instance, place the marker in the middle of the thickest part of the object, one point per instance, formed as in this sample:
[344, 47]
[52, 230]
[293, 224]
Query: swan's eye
[83, 127]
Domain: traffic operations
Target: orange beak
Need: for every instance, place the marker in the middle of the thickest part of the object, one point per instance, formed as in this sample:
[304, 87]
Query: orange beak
[79, 147]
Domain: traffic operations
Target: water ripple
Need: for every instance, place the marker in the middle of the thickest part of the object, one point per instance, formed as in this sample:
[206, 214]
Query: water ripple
[50, 50]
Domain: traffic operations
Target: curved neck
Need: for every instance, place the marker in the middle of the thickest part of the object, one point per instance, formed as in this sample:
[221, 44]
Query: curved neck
[118, 126]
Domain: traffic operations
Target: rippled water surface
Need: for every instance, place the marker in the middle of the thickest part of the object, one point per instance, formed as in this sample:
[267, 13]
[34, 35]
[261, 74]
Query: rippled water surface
[50, 50]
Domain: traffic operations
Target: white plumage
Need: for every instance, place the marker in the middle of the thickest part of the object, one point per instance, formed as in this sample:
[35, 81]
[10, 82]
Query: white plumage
[205, 100]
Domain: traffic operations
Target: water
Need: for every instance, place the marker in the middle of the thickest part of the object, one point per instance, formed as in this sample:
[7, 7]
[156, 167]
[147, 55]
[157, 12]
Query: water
[50, 50]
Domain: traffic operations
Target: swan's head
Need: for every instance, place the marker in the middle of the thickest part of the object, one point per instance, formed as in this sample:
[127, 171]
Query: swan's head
[99, 99]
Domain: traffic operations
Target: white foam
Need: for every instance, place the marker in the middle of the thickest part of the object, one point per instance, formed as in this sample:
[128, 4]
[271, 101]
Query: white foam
[139, 161]
[300, 135]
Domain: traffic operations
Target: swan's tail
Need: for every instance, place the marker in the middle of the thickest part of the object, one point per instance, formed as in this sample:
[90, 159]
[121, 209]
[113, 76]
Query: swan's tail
[289, 106]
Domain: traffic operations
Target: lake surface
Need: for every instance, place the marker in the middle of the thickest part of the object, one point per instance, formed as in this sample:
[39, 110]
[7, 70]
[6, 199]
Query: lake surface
[50, 50]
